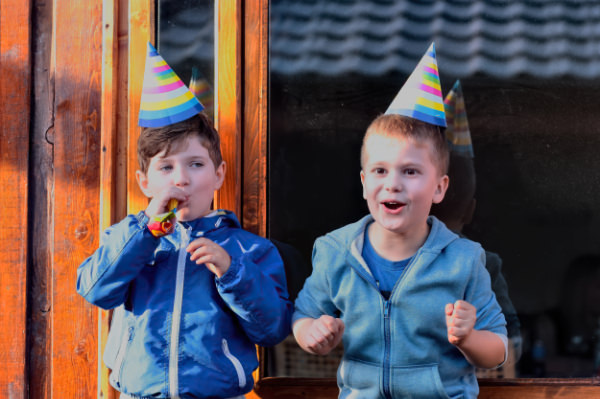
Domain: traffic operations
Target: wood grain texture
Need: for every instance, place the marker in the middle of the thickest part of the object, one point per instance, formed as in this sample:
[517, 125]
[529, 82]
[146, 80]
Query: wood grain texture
[15, 88]
[141, 31]
[256, 89]
[228, 101]
[77, 74]
[108, 163]
[40, 205]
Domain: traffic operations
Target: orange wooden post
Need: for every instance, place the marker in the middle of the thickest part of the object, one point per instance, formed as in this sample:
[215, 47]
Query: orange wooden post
[256, 89]
[108, 162]
[141, 31]
[256, 34]
[77, 149]
[15, 87]
[228, 101]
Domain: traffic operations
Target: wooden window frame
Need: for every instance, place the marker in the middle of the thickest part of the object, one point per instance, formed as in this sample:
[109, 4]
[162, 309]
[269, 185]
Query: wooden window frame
[241, 116]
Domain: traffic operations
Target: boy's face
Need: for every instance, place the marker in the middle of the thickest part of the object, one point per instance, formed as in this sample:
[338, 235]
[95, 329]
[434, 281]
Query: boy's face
[400, 182]
[188, 168]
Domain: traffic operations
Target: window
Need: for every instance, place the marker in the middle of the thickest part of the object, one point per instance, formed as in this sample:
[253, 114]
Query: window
[529, 72]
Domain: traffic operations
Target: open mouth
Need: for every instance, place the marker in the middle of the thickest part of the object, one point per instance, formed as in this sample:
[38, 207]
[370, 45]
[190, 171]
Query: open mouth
[392, 205]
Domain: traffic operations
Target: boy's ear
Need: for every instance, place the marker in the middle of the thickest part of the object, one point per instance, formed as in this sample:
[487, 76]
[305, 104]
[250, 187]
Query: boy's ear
[362, 180]
[142, 180]
[440, 190]
[220, 172]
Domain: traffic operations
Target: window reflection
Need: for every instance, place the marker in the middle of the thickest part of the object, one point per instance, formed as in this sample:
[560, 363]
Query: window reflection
[186, 41]
[529, 72]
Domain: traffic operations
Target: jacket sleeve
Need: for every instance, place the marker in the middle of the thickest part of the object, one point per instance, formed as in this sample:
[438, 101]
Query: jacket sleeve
[315, 298]
[255, 289]
[479, 293]
[103, 279]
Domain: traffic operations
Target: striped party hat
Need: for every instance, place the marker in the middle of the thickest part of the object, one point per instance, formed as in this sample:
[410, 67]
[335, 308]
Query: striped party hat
[202, 90]
[457, 132]
[165, 98]
[421, 96]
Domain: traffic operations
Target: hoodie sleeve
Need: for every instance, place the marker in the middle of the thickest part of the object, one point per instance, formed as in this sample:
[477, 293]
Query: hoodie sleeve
[255, 289]
[479, 293]
[125, 248]
[314, 300]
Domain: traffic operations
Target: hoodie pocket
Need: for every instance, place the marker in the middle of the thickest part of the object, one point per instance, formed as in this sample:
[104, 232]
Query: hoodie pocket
[419, 381]
[363, 380]
[239, 369]
[358, 379]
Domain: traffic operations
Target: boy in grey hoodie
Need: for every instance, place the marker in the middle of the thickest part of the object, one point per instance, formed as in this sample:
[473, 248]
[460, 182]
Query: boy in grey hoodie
[411, 300]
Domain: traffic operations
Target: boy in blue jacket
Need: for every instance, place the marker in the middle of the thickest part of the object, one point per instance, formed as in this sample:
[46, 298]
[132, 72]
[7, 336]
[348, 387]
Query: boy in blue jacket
[411, 300]
[191, 302]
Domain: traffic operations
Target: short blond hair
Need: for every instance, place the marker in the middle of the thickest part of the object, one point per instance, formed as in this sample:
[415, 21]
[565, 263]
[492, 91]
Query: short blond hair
[393, 125]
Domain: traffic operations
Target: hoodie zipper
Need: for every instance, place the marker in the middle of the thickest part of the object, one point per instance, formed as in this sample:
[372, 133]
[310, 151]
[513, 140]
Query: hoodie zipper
[176, 317]
[387, 348]
[387, 304]
[239, 369]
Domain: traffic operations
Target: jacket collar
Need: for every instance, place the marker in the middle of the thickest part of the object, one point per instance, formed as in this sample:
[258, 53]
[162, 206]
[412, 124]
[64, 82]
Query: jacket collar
[213, 221]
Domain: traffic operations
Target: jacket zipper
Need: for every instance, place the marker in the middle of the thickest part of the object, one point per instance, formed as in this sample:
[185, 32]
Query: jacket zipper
[176, 318]
[387, 348]
[119, 361]
[239, 369]
[387, 305]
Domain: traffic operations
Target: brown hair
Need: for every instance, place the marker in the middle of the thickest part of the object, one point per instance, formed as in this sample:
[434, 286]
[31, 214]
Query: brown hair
[154, 140]
[404, 127]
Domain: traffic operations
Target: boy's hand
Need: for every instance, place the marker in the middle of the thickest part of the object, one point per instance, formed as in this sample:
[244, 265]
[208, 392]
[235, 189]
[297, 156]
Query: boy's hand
[320, 336]
[460, 320]
[159, 203]
[206, 251]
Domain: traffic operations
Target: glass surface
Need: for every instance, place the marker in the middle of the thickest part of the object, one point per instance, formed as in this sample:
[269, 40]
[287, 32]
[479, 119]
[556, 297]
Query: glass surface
[530, 75]
[186, 40]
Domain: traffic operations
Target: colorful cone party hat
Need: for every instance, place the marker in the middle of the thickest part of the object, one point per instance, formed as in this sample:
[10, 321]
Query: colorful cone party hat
[421, 96]
[202, 90]
[457, 132]
[165, 98]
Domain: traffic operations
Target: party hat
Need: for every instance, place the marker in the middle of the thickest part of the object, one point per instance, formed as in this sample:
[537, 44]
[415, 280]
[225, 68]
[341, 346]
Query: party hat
[165, 98]
[202, 90]
[421, 96]
[457, 132]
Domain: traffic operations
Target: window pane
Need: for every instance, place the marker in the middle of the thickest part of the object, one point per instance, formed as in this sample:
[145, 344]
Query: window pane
[530, 75]
[186, 41]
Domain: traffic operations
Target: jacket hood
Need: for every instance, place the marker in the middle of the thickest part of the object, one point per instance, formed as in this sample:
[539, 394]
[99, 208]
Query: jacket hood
[439, 236]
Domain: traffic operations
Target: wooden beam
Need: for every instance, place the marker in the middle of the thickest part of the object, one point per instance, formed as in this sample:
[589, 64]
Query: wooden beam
[228, 118]
[498, 388]
[256, 89]
[255, 78]
[77, 148]
[39, 276]
[141, 31]
[15, 88]
[108, 162]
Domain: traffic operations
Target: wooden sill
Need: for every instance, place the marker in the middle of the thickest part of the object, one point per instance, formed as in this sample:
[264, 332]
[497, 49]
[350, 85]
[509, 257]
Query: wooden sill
[490, 388]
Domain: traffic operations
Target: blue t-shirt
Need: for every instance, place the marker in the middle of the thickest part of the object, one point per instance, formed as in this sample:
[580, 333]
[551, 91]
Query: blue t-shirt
[386, 272]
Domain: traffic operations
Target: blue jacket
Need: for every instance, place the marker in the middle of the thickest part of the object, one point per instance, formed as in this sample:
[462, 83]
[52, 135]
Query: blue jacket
[177, 330]
[398, 348]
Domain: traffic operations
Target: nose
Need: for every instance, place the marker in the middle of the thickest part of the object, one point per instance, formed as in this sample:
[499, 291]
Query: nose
[393, 182]
[180, 177]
